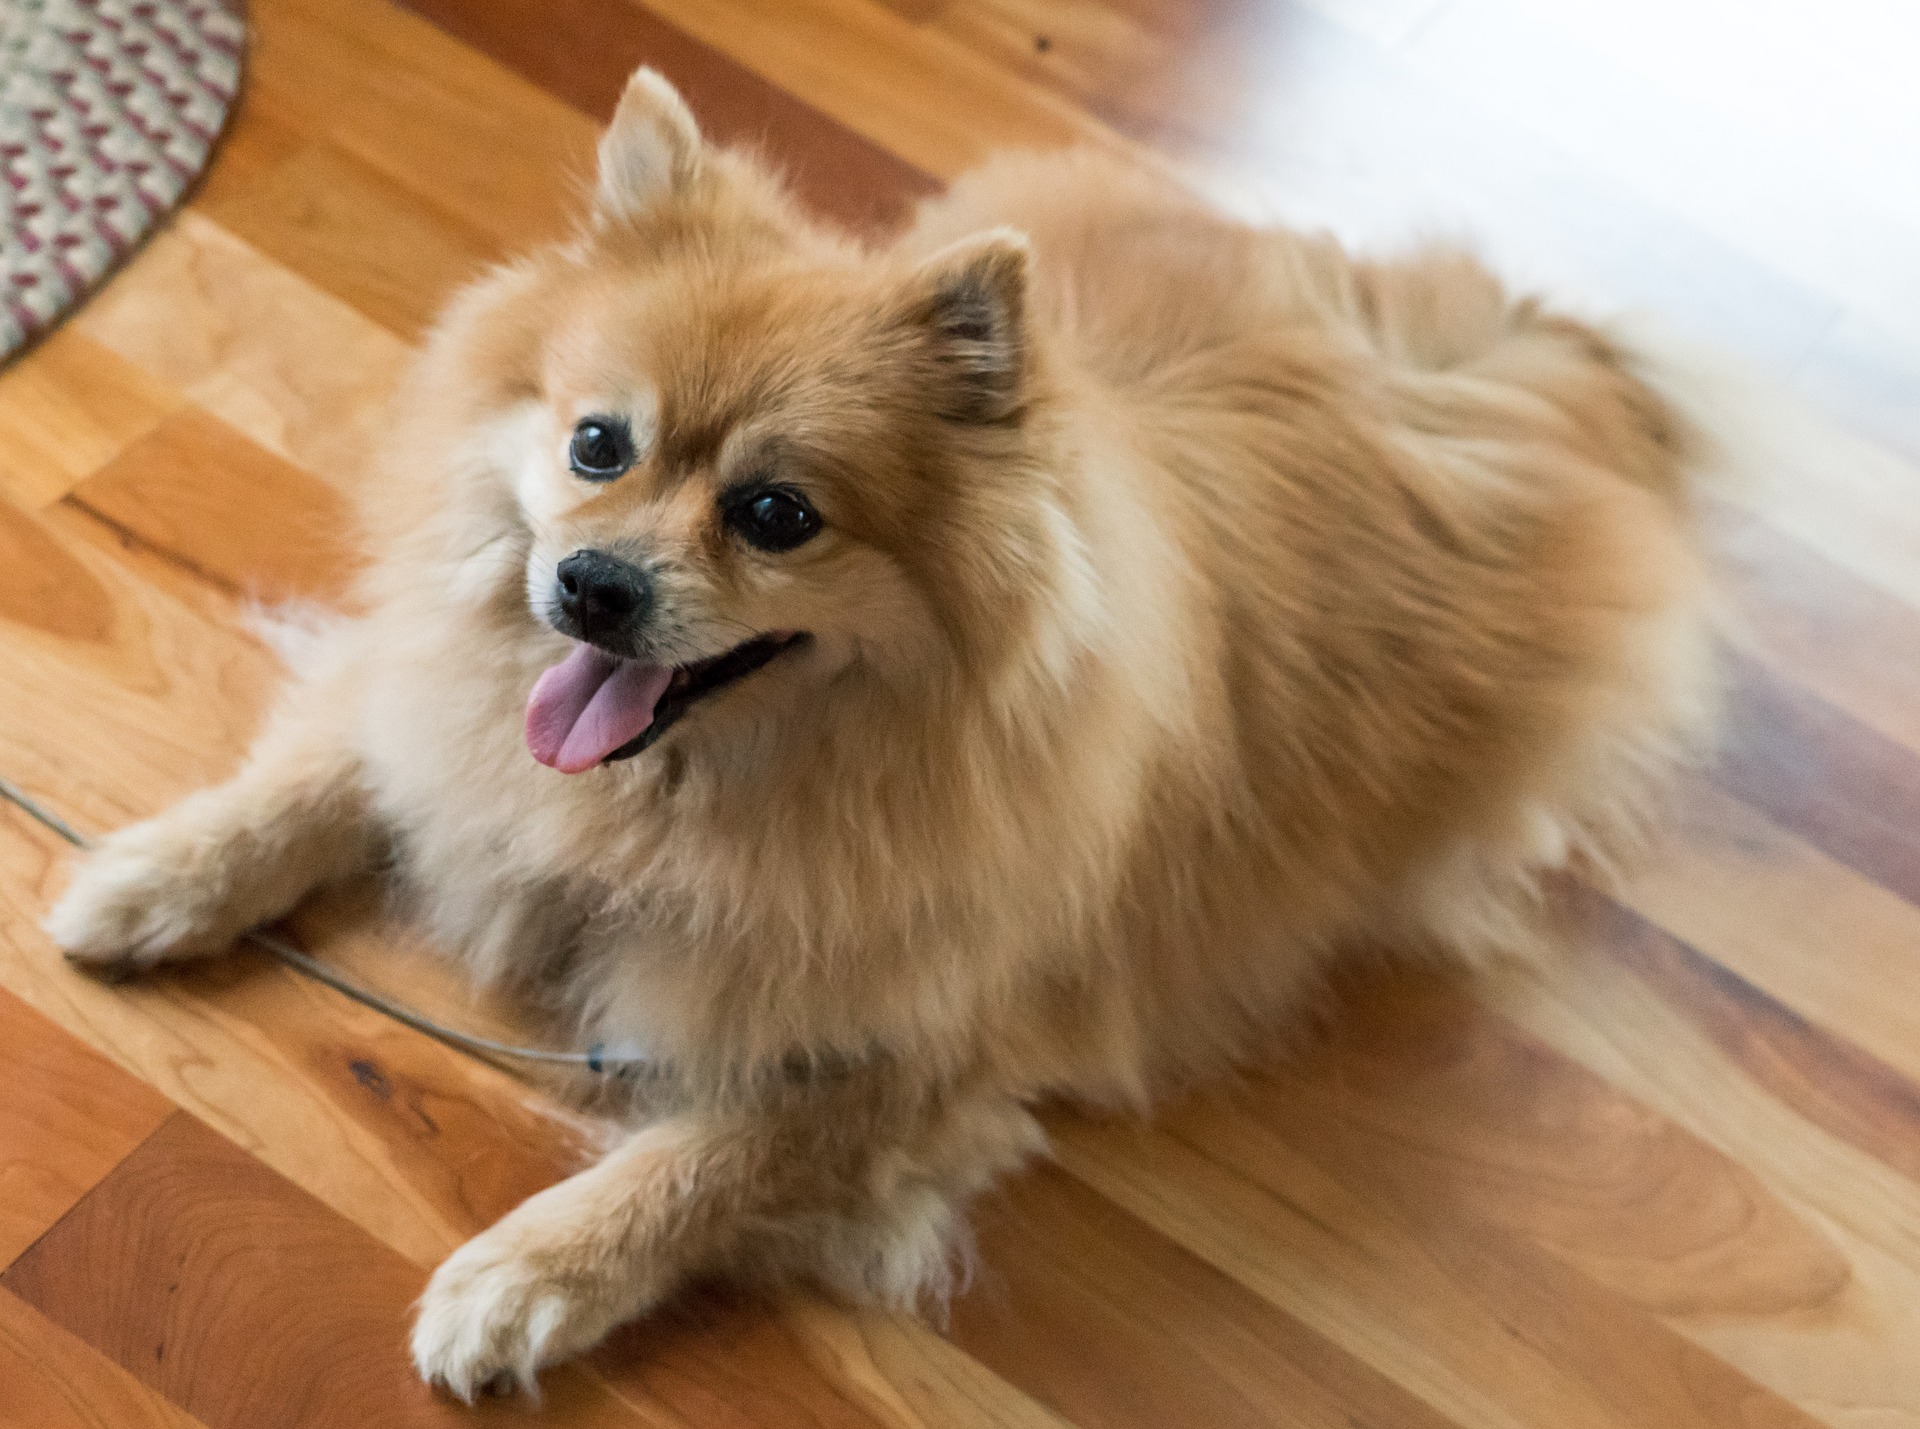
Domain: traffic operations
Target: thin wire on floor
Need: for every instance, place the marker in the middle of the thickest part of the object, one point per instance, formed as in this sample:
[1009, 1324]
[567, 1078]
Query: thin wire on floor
[303, 963]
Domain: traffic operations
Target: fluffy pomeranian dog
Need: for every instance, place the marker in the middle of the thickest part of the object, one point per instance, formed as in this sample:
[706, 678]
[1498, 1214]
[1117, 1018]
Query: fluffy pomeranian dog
[894, 688]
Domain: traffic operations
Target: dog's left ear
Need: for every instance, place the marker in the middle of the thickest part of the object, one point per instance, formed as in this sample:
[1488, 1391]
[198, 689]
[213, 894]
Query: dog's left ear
[650, 151]
[970, 300]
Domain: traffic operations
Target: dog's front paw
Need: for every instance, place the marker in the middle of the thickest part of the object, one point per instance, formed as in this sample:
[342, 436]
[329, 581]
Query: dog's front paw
[500, 1310]
[147, 894]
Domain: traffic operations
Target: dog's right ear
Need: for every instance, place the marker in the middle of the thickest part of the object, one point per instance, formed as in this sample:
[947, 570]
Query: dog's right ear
[650, 151]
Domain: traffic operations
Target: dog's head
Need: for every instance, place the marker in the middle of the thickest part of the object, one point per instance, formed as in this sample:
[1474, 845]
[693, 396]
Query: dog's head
[750, 460]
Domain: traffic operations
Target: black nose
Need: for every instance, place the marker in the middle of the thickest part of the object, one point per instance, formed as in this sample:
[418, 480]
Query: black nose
[602, 596]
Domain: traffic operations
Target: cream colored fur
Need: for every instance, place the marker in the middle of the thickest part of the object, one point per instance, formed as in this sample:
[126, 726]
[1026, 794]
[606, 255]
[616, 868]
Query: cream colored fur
[1197, 605]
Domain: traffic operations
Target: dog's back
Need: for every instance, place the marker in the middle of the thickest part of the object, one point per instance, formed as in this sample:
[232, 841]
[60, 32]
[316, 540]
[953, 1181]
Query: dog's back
[1443, 613]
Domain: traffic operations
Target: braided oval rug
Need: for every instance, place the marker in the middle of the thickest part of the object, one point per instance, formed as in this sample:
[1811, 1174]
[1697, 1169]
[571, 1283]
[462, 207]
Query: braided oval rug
[109, 110]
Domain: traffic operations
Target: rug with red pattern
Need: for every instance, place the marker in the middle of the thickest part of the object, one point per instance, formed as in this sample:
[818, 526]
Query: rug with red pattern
[108, 111]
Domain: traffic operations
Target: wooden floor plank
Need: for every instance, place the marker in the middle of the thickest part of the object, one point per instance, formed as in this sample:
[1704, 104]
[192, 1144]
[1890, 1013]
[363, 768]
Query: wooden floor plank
[1116, 62]
[913, 91]
[1513, 1260]
[425, 111]
[310, 386]
[1159, 1337]
[717, 1361]
[905, 1374]
[1815, 771]
[583, 50]
[67, 1118]
[1600, 1226]
[228, 510]
[416, 1145]
[1847, 1092]
[104, 667]
[712, 1358]
[258, 139]
[66, 412]
[355, 233]
[51, 1380]
[1817, 625]
[1308, 1251]
[1833, 946]
[195, 1268]
[1840, 1355]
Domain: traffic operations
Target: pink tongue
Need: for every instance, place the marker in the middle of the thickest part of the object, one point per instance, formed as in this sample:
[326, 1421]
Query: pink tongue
[589, 705]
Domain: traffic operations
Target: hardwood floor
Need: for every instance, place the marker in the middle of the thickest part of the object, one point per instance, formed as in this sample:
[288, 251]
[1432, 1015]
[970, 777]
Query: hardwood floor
[1669, 1179]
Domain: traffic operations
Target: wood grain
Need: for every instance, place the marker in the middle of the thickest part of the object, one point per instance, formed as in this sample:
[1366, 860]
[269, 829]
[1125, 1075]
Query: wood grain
[377, 245]
[106, 668]
[902, 1373]
[68, 1118]
[1158, 1336]
[1840, 1356]
[310, 386]
[1843, 1090]
[934, 102]
[417, 1146]
[1833, 946]
[199, 1271]
[583, 51]
[52, 1380]
[67, 412]
[427, 112]
[1814, 624]
[718, 1358]
[1341, 1191]
[227, 510]
[1814, 770]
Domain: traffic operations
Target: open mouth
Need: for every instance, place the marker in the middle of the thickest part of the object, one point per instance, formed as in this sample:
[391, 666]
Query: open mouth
[594, 707]
[692, 683]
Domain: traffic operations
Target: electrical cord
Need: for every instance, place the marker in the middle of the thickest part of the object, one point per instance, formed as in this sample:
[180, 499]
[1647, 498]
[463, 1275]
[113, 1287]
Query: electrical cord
[594, 1058]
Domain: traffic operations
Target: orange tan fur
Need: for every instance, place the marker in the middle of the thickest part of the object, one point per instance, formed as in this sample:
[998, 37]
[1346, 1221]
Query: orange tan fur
[1195, 605]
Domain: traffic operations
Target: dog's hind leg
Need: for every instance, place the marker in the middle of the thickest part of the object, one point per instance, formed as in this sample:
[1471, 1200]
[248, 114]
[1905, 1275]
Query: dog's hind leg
[190, 881]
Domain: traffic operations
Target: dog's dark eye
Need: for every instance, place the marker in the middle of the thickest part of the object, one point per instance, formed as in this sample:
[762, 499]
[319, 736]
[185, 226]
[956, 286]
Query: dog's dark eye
[602, 448]
[774, 519]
